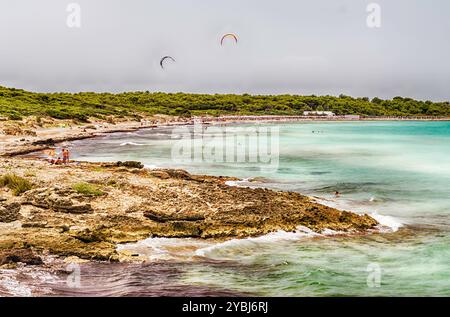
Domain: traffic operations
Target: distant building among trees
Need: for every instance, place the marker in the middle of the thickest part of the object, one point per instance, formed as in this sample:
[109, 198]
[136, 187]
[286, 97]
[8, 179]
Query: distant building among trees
[319, 113]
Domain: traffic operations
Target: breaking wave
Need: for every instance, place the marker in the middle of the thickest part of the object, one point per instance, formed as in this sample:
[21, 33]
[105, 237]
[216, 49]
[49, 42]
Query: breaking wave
[387, 221]
[131, 143]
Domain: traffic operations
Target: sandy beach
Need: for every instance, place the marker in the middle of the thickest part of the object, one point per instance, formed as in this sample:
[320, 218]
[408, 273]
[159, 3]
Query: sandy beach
[21, 137]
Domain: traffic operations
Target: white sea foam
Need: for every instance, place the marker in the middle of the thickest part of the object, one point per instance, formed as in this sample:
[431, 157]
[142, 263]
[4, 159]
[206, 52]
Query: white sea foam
[387, 221]
[329, 232]
[273, 237]
[162, 134]
[237, 183]
[155, 249]
[131, 143]
[151, 166]
[14, 287]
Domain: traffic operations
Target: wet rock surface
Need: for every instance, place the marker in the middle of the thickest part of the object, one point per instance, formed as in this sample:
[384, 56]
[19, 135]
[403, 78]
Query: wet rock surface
[25, 256]
[139, 203]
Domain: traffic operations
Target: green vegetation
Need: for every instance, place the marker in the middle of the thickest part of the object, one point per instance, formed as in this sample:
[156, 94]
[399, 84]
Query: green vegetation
[17, 184]
[15, 104]
[87, 189]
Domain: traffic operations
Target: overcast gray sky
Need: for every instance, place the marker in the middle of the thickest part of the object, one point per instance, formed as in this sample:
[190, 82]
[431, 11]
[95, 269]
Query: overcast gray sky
[285, 46]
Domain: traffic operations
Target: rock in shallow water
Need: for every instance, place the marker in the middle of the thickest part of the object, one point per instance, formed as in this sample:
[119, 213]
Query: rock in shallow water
[25, 256]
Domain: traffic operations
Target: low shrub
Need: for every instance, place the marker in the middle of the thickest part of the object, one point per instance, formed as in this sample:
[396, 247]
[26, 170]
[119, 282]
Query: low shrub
[17, 184]
[87, 189]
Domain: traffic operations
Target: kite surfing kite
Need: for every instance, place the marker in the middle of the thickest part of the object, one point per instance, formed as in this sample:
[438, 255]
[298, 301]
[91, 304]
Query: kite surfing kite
[161, 62]
[230, 35]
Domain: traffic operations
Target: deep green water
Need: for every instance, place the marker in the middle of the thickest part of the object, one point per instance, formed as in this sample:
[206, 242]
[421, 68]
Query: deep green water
[398, 171]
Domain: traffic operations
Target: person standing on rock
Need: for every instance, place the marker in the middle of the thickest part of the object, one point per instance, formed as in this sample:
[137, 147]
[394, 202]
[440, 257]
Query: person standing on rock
[66, 156]
[51, 156]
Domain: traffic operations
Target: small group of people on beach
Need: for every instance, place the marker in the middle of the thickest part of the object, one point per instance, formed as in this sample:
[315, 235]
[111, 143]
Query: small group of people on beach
[54, 158]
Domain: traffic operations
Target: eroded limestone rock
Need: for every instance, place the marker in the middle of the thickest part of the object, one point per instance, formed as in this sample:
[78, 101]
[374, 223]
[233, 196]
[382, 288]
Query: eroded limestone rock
[56, 219]
[9, 212]
[57, 199]
[25, 256]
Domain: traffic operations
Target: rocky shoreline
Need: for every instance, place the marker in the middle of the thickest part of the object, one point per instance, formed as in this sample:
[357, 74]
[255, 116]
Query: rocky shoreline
[84, 210]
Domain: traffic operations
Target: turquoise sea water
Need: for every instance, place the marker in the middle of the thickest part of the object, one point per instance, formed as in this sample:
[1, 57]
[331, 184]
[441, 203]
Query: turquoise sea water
[399, 171]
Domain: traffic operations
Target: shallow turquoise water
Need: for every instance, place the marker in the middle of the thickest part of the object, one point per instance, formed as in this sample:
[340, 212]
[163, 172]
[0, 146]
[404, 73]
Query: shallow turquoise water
[395, 169]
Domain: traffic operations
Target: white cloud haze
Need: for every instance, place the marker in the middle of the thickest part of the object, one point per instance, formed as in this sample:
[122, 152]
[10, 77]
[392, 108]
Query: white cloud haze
[287, 46]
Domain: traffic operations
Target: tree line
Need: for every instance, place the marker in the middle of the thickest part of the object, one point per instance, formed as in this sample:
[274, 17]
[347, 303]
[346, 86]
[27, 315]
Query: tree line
[16, 104]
